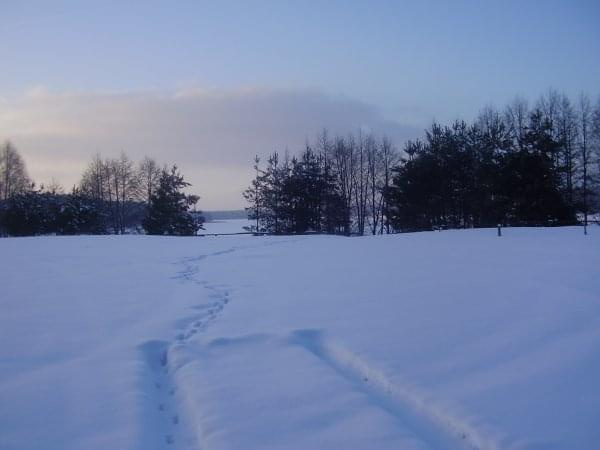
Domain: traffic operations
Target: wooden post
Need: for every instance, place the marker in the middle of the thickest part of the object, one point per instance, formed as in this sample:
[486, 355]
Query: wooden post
[499, 230]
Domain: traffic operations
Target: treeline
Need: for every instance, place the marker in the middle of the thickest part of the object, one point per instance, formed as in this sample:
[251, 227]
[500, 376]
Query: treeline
[334, 186]
[519, 166]
[114, 196]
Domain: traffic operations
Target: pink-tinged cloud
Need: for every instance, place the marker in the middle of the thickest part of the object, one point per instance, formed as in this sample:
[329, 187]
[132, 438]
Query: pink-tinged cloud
[212, 135]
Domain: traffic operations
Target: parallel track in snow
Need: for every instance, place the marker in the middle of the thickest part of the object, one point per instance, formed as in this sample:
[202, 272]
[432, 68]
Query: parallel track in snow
[434, 426]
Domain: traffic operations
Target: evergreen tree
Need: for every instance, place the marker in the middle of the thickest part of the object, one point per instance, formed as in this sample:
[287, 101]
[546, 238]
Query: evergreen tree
[36, 212]
[254, 196]
[298, 196]
[80, 214]
[168, 212]
[471, 176]
[29, 214]
[532, 181]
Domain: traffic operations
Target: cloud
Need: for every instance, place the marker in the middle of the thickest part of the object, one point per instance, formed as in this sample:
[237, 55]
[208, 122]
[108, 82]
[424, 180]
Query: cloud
[211, 134]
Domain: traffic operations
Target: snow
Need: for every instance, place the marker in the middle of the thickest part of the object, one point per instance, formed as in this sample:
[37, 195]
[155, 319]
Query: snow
[439, 340]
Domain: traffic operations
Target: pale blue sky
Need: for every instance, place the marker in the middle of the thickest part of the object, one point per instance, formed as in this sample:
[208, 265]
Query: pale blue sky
[439, 58]
[409, 62]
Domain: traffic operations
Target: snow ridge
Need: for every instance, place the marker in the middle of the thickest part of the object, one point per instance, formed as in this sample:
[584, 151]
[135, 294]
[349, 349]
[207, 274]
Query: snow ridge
[429, 422]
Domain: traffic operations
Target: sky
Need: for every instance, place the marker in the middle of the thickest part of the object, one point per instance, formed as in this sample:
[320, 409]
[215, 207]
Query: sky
[208, 85]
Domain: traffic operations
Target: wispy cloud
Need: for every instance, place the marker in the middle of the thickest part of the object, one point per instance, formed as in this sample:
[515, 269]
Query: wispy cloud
[211, 134]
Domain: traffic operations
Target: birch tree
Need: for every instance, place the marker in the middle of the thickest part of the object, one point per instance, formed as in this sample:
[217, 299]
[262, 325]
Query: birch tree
[13, 174]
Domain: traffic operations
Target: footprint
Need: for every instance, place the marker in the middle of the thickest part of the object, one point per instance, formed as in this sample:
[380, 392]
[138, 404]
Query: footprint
[175, 419]
[161, 407]
[163, 359]
[169, 439]
[190, 333]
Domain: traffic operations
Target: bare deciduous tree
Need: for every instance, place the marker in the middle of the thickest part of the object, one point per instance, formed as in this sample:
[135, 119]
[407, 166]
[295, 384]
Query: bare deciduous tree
[149, 174]
[389, 159]
[374, 181]
[343, 164]
[126, 187]
[595, 152]
[585, 124]
[517, 117]
[360, 182]
[94, 182]
[116, 183]
[13, 174]
[566, 134]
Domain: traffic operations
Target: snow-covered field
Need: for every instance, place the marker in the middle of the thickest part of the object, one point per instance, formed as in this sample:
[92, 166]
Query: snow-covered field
[450, 340]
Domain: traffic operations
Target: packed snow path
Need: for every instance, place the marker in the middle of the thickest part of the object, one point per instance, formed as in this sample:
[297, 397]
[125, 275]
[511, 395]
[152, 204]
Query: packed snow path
[452, 340]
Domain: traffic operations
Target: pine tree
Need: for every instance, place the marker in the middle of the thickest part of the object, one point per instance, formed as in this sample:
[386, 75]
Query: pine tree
[168, 212]
[253, 195]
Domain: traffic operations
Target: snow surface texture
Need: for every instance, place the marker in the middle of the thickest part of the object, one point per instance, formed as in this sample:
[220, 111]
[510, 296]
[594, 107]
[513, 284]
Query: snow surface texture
[441, 340]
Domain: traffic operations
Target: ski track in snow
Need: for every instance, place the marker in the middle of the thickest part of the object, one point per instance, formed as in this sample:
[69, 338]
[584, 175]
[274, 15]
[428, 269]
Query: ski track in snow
[430, 423]
[436, 427]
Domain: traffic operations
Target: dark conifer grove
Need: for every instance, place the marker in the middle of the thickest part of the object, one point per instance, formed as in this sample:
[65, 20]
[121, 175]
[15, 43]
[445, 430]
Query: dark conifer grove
[519, 166]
